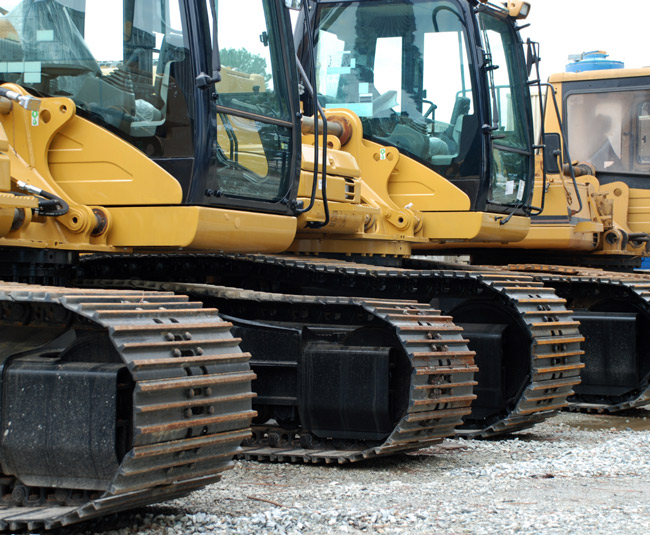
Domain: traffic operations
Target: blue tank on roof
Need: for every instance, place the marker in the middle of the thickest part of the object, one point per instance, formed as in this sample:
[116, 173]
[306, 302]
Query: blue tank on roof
[595, 60]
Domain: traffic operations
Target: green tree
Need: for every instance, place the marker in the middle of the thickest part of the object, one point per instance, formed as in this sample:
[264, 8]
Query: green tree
[242, 60]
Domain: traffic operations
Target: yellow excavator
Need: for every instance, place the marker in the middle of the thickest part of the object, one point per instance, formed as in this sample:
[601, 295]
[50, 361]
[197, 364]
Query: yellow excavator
[445, 152]
[358, 221]
[590, 215]
[606, 116]
[125, 162]
[362, 208]
[143, 187]
[594, 230]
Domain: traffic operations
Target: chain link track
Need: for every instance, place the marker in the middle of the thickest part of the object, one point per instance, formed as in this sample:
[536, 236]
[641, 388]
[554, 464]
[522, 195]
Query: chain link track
[554, 351]
[636, 283]
[441, 381]
[440, 390]
[553, 355]
[187, 426]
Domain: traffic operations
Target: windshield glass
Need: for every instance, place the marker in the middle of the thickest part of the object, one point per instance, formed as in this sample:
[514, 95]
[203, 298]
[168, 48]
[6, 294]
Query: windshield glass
[254, 123]
[404, 69]
[511, 169]
[121, 62]
[610, 130]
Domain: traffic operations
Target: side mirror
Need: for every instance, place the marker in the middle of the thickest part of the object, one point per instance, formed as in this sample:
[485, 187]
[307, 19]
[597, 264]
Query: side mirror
[553, 144]
[293, 4]
[532, 56]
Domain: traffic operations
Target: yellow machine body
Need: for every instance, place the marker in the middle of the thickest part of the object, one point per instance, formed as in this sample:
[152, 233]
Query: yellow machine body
[119, 199]
[609, 212]
[382, 202]
[250, 150]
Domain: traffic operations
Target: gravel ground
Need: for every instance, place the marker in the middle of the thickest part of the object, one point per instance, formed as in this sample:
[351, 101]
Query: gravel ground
[574, 474]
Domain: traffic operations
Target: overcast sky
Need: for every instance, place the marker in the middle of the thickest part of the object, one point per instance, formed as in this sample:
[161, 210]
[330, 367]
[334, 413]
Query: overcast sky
[564, 27]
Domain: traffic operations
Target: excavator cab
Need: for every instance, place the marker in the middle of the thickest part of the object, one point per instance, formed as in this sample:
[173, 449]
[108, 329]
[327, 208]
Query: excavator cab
[185, 105]
[145, 71]
[435, 81]
[607, 118]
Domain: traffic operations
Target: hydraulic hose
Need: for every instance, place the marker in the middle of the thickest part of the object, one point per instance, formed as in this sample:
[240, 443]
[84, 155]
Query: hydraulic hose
[49, 205]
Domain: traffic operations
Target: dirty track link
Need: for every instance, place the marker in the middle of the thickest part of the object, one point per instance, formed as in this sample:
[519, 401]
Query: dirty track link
[113, 399]
[614, 311]
[357, 345]
[527, 342]
[506, 314]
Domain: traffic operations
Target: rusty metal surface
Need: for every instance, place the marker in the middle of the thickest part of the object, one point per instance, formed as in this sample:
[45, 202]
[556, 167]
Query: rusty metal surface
[554, 337]
[633, 284]
[555, 354]
[441, 378]
[440, 390]
[187, 428]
